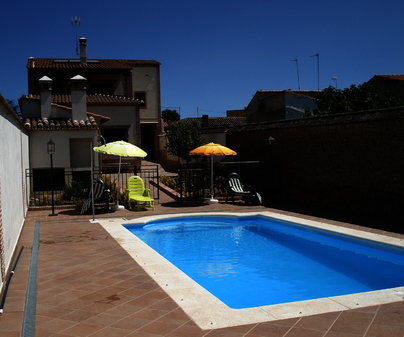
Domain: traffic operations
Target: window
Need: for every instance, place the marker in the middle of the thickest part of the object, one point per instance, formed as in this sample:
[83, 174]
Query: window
[80, 152]
[141, 95]
[43, 182]
[114, 134]
[102, 88]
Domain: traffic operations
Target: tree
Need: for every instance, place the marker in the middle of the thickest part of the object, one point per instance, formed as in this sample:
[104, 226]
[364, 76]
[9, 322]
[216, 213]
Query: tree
[183, 136]
[170, 115]
[355, 98]
[14, 105]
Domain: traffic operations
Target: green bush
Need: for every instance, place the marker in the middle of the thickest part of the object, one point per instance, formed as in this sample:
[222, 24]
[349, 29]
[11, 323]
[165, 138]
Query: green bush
[220, 187]
[189, 187]
[171, 182]
[45, 201]
[73, 192]
[112, 186]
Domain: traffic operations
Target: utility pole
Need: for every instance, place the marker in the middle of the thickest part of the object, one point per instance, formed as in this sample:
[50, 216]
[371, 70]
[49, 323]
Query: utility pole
[297, 68]
[76, 23]
[318, 69]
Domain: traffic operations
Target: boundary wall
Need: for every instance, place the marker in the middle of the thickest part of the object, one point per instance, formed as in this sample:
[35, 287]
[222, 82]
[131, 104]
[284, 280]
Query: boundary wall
[14, 159]
[347, 164]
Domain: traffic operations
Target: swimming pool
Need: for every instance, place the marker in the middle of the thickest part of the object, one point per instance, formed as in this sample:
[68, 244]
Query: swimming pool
[255, 260]
[207, 311]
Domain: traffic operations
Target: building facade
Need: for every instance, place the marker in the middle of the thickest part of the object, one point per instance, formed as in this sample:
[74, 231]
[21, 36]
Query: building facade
[113, 88]
[394, 84]
[273, 105]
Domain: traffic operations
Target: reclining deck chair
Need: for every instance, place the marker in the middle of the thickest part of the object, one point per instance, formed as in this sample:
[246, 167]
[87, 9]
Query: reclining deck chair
[100, 195]
[136, 192]
[236, 187]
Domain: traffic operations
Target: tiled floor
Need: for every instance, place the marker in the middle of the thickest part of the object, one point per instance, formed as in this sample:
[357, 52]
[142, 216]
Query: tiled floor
[88, 285]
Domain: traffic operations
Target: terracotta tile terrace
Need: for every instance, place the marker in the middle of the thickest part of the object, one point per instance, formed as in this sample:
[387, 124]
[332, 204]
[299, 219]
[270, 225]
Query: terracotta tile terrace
[87, 285]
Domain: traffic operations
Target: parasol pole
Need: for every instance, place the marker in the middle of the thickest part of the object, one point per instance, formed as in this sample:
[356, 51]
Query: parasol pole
[117, 206]
[119, 181]
[211, 200]
[211, 176]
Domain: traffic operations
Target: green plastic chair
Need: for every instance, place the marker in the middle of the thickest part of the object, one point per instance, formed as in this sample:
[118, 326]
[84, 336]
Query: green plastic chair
[136, 192]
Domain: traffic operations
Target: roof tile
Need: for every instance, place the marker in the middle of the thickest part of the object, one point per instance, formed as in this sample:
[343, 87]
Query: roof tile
[395, 77]
[92, 99]
[60, 124]
[63, 63]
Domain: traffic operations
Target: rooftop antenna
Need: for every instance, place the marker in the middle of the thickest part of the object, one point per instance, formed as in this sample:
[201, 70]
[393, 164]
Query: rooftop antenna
[297, 68]
[318, 70]
[76, 23]
[335, 79]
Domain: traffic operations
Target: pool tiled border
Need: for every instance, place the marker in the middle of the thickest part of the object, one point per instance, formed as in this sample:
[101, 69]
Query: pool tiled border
[210, 313]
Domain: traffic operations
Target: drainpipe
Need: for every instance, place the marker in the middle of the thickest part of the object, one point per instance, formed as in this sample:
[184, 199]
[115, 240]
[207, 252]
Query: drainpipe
[3, 300]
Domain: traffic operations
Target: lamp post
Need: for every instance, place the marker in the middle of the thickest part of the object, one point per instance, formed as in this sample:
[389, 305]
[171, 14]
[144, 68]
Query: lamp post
[50, 148]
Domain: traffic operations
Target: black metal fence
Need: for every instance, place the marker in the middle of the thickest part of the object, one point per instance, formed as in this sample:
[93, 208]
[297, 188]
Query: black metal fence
[69, 184]
[192, 182]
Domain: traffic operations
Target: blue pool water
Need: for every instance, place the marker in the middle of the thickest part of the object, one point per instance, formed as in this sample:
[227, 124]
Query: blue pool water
[255, 260]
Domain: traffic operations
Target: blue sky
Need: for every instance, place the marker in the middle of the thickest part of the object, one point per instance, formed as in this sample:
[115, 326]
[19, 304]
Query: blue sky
[214, 54]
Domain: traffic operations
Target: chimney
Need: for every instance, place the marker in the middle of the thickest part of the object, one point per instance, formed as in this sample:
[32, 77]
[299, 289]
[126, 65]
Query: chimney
[205, 121]
[45, 84]
[79, 98]
[83, 50]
